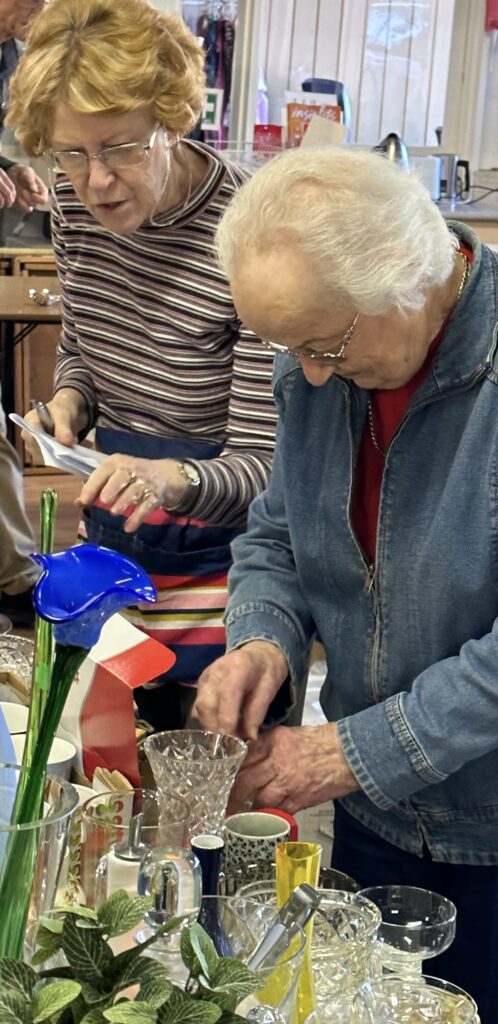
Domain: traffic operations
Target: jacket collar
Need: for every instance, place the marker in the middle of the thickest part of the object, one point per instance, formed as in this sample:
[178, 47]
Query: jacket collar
[469, 346]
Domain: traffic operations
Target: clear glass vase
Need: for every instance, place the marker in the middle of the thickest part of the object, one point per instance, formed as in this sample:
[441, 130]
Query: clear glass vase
[40, 847]
[201, 767]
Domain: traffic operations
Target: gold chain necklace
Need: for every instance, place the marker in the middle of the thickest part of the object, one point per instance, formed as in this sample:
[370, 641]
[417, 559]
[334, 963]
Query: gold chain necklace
[370, 413]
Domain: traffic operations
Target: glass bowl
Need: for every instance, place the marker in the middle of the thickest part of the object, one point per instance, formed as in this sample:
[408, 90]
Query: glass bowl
[416, 924]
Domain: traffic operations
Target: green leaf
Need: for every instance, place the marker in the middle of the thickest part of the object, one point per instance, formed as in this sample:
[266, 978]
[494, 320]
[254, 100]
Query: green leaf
[231, 982]
[131, 1013]
[142, 972]
[93, 1017]
[18, 975]
[93, 995]
[58, 973]
[155, 991]
[128, 956]
[121, 912]
[228, 1017]
[50, 924]
[48, 939]
[184, 1009]
[52, 998]
[54, 921]
[87, 952]
[14, 1009]
[198, 952]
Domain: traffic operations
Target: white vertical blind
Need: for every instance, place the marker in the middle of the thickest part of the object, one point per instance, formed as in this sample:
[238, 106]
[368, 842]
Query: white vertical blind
[393, 56]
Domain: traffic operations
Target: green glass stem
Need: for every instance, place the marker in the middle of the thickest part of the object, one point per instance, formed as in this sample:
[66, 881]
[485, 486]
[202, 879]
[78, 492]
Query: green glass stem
[20, 855]
[44, 648]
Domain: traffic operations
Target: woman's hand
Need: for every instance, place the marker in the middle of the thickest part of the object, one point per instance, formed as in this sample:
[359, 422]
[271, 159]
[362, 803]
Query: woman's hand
[235, 692]
[124, 481]
[69, 413]
[293, 767]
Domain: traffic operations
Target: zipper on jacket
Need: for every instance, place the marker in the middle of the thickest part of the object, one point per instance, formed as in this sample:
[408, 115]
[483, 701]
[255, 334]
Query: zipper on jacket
[370, 578]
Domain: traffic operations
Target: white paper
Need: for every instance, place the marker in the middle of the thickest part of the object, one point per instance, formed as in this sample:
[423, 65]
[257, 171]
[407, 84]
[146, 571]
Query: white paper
[323, 132]
[77, 460]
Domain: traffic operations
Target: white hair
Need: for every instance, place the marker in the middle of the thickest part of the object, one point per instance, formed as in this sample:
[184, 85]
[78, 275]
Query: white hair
[371, 232]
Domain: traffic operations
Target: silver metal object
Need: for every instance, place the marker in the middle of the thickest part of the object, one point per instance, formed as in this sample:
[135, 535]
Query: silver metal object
[393, 148]
[132, 847]
[295, 913]
[44, 297]
[44, 416]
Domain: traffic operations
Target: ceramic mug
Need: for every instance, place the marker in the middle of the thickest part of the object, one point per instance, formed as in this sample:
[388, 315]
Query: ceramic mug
[250, 841]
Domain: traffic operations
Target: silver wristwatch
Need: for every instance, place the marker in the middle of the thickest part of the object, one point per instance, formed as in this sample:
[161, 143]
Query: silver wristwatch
[190, 473]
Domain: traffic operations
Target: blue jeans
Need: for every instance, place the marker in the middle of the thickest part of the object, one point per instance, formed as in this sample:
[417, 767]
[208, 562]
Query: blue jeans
[472, 959]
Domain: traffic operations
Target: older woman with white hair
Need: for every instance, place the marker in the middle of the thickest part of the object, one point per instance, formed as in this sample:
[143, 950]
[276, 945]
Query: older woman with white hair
[378, 533]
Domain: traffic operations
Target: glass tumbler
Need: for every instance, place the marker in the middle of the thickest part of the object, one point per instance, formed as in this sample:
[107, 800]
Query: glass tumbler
[201, 767]
[343, 952]
[117, 831]
[46, 840]
[275, 1000]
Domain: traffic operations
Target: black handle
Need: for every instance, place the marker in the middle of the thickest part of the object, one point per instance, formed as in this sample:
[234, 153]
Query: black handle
[466, 185]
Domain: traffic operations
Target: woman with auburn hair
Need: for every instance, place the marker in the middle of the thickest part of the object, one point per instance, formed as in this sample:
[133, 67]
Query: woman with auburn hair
[152, 353]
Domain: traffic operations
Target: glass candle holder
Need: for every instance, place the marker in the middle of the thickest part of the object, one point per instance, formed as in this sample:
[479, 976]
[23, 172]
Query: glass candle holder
[200, 766]
[416, 924]
[117, 831]
[424, 1000]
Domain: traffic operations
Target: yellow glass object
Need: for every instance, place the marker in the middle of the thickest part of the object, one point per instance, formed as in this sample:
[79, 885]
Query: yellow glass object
[297, 863]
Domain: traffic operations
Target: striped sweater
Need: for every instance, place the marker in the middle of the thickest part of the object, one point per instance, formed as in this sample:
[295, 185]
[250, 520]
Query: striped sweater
[151, 338]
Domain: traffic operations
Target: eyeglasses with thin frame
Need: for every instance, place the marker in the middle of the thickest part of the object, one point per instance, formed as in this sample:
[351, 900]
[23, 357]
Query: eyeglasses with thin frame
[309, 353]
[76, 161]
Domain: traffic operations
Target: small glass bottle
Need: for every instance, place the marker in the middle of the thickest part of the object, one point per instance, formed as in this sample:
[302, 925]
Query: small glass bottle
[209, 851]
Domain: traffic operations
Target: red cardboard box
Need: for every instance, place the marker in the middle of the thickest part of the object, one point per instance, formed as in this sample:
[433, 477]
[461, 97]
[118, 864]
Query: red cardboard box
[99, 716]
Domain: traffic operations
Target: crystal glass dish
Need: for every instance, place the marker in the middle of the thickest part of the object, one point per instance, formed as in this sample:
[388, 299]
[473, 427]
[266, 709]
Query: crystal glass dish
[416, 924]
[426, 1000]
[200, 767]
[16, 663]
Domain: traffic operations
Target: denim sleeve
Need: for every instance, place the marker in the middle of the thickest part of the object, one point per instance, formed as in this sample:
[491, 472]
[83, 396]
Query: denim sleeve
[418, 738]
[265, 598]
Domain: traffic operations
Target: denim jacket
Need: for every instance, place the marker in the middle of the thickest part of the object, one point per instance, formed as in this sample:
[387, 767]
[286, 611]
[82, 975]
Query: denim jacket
[412, 647]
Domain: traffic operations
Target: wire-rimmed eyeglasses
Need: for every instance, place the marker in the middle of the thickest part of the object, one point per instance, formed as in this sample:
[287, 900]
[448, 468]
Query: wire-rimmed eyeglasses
[76, 161]
[309, 353]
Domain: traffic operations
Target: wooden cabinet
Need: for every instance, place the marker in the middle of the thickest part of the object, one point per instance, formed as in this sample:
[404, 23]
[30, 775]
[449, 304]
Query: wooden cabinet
[34, 360]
